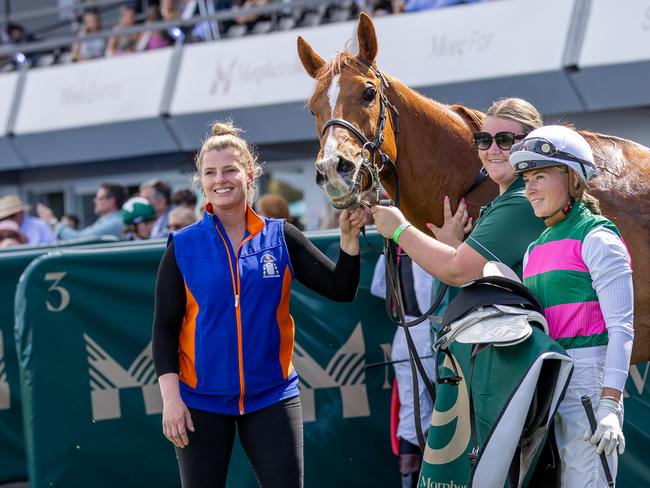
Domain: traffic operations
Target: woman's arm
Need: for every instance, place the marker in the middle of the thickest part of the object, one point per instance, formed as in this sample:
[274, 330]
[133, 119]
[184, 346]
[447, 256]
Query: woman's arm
[609, 265]
[313, 269]
[169, 311]
[453, 266]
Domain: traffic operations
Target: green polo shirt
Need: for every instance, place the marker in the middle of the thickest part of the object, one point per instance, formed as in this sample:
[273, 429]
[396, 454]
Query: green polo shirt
[505, 228]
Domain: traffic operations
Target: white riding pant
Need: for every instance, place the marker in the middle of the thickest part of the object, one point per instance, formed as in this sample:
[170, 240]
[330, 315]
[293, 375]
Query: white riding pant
[399, 351]
[581, 466]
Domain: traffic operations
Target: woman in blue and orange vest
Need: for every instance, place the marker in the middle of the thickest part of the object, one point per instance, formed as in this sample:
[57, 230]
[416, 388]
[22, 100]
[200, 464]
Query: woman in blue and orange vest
[222, 332]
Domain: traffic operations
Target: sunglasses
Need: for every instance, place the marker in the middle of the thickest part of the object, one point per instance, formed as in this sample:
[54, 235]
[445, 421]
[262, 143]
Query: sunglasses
[504, 140]
[546, 148]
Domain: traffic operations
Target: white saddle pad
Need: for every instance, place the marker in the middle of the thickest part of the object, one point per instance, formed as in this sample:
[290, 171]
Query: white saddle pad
[500, 325]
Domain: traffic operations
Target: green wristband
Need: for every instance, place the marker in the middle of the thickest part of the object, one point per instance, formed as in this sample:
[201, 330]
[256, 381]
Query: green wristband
[400, 228]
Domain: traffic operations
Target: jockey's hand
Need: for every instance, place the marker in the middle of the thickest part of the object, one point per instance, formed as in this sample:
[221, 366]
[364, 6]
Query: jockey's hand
[455, 227]
[387, 219]
[609, 433]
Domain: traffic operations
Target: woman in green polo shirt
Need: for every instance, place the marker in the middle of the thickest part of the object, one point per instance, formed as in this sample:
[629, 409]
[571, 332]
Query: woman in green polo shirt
[494, 237]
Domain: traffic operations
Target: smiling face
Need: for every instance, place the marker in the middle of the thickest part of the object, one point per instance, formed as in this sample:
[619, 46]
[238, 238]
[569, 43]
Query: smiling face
[495, 159]
[224, 180]
[547, 190]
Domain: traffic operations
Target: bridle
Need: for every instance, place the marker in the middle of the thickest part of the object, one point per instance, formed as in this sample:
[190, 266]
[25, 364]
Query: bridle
[371, 148]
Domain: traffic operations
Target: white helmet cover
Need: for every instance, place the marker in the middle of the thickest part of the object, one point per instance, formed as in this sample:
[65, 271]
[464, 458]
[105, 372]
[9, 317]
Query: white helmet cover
[562, 140]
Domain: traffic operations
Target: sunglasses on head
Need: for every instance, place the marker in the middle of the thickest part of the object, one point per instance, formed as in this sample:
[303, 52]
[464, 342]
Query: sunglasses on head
[505, 140]
[545, 148]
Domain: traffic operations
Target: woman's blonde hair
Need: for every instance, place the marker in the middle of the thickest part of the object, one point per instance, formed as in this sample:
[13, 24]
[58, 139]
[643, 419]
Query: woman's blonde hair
[224, 135]
[517, 110]
[578, 190]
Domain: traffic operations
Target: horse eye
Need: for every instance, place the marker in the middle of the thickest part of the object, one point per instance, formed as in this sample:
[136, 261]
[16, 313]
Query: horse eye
[369, 94]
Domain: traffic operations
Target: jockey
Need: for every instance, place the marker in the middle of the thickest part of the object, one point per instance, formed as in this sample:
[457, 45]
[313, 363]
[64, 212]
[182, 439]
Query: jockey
[579, 268]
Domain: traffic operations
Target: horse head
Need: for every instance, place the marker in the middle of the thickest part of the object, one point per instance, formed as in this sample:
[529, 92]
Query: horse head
[356, 123]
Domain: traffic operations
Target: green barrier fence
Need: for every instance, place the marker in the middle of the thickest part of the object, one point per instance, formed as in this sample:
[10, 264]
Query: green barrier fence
[92, 407]
[91, 399]
[13, 262]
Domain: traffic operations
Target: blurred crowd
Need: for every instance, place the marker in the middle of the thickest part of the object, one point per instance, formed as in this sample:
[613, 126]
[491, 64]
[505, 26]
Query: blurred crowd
[152, 213]
[90, 21]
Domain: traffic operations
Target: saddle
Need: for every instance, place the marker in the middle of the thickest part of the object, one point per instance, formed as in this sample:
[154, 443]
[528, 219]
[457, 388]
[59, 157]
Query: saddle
[491, 310]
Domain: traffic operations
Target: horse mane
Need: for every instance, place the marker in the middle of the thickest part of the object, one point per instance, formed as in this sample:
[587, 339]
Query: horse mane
[473, 118]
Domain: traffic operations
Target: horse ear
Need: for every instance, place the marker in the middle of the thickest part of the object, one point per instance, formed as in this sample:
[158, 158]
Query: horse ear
[310, 60]
[367, 39]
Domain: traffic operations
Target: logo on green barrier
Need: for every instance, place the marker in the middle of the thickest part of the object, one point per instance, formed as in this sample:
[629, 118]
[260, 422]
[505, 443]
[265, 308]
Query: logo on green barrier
[107, 378]
[345, 370]
[458, 413]
[636, 379]
[5, 398]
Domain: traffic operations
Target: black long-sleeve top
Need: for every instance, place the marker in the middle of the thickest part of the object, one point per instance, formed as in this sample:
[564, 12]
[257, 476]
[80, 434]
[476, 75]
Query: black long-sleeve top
[311, 267]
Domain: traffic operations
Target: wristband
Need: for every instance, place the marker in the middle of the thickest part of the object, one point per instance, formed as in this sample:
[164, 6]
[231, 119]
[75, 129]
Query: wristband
[400, 228]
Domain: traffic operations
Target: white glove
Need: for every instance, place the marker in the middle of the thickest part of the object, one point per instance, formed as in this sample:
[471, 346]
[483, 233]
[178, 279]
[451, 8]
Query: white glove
[609, 433]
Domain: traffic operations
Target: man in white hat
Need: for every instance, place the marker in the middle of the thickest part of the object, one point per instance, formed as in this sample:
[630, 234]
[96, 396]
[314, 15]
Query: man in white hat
[36, 230]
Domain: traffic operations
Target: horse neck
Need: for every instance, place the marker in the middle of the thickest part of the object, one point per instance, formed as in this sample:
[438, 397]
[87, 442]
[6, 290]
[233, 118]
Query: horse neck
[435, 157]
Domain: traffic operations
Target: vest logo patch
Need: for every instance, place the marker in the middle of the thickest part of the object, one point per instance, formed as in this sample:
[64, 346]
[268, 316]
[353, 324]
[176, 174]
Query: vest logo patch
[269, 268]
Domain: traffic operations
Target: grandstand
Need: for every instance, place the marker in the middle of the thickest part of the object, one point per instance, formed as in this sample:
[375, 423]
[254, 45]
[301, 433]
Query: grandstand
[66, 126]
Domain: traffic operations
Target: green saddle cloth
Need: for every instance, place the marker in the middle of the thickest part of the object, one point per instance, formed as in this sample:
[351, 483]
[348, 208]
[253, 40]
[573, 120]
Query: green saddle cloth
[504, 383]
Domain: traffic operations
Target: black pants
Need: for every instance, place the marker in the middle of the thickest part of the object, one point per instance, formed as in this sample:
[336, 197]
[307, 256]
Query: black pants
[272, 439]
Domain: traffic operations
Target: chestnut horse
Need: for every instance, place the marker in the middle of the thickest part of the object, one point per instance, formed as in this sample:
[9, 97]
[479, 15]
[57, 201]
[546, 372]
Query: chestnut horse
[364, 116]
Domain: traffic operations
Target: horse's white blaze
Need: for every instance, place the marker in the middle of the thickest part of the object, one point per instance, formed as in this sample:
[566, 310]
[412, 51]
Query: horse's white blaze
[333, 96]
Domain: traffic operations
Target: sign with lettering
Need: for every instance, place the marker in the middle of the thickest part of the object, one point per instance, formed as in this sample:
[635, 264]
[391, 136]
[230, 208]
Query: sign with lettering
[422, 49]
[102, 91]
[616, 33]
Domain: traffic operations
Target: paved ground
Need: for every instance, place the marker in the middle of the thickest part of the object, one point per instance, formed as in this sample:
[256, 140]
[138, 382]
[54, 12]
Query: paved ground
[16, 485]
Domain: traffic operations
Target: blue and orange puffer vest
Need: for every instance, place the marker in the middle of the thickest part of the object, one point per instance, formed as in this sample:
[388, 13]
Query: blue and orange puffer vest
[236, 341]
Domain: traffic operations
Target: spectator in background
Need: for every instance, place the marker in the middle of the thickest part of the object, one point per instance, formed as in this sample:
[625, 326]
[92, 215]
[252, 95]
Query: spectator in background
[169, 10]
[153, 39]
[10, 234]
[251, 19]
[14, 35]
[124, 44]
[36, 230]
[70, 220]
[108, 203]
[273, 206]
[138, 216]
[179, 218]
[89, 48]
[184, 198]
[159, 195]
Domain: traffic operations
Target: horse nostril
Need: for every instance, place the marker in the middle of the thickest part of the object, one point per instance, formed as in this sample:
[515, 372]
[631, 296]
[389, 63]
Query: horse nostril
[344, 166]
[320, 178]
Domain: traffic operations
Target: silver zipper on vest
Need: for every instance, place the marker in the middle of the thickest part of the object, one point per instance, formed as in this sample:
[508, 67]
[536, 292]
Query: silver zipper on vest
[236, 301]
